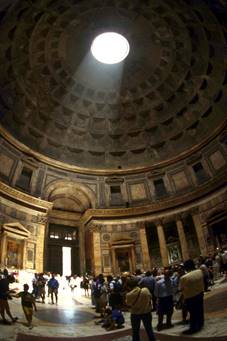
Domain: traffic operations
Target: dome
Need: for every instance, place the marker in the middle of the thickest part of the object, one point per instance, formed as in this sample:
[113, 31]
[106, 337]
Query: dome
[168, 97]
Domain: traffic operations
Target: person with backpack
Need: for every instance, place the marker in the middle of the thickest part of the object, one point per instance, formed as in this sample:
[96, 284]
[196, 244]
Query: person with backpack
[100, 294]
[139, 302]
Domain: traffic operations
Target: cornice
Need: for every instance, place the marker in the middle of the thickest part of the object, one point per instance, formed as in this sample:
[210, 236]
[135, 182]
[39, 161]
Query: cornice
[107, 172]
[155, 207]
[72, 216]
[27, 199]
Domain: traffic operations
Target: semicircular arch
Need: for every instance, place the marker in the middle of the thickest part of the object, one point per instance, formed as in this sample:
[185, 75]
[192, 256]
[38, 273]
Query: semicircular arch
[63, 191]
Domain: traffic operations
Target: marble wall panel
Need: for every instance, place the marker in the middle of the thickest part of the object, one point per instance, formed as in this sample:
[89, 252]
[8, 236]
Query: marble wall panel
[138, 191]
[6, 165]
[217, 160]
[180, 180]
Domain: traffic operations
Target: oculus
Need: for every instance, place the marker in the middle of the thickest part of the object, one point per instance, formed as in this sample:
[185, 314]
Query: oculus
[110, 48]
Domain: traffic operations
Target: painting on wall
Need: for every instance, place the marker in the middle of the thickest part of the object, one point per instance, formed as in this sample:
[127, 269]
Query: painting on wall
[13, 254]
[174, 253]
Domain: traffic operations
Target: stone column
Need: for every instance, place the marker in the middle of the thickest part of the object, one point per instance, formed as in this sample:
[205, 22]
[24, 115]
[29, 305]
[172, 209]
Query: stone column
[24, 254]
[144, 248]
[162, 244]
[40, 248]
[3, 254]
[113, 258]
[82, 249]
[97, 253]
[182, 238]
[200, 234]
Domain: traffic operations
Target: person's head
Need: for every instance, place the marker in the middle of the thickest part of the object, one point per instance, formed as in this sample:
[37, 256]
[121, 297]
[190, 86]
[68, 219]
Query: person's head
[167, 273]
[132, 283]
[6, 273]
[148, 274]
[26, 287]
[181, 269]
[53, 275]
[189, 265]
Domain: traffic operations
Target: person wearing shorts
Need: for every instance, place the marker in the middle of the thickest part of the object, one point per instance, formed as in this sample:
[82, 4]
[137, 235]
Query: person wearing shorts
[4, 304]
[28, 304]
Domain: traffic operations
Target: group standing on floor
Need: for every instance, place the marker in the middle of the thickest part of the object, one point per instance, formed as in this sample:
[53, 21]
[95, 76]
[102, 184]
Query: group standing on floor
[180, 286]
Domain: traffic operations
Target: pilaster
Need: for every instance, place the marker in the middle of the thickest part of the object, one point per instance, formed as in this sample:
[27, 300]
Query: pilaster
[200, 234]
[162, 244]
[182, 238]
[97, 253]
[145, 250]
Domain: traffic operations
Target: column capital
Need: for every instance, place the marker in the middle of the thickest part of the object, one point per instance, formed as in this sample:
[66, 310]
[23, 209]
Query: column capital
[158, 222]
[194, 210]
[180, 215]
[93, 227]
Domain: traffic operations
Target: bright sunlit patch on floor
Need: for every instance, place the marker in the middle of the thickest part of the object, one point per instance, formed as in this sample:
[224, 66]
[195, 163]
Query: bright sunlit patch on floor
[110, 48]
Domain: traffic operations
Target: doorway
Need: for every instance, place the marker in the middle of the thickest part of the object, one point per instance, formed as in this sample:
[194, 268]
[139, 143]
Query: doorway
[123, 257]
[63, 250]
[122, 260]
[66, 261]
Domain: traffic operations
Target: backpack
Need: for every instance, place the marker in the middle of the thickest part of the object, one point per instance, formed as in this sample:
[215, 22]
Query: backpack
[117, 286]
[97, 290]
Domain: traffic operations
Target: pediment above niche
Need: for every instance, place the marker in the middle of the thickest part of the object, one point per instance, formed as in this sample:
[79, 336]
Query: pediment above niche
[122, 241]
[16, 230]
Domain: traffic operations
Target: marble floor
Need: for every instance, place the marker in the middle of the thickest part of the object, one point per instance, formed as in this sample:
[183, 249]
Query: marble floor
[74, 318]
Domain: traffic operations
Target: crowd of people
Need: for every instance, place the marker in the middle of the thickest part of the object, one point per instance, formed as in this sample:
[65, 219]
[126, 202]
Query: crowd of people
[161, 290]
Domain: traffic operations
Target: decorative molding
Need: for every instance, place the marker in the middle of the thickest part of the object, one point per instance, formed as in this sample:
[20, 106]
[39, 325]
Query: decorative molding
[156, 207]
[24, 198]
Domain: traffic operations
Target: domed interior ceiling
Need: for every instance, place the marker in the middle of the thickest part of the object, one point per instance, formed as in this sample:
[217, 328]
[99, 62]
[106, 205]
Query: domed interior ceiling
[165, 98]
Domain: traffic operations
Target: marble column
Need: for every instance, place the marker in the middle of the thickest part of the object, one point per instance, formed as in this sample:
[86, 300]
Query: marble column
[40, 248]
[3, 256]
[113, 257]
[162, 245]
[133, 258]
[200, 234]
[97, 253]
[145, 249]
[182, 238]
[82, 249]
[24, 253]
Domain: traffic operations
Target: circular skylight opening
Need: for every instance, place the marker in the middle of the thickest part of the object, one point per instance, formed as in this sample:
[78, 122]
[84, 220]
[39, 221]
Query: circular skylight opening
[110, 48]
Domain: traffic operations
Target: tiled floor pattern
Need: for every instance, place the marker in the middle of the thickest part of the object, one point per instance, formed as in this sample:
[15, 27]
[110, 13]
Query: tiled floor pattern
[74, 319]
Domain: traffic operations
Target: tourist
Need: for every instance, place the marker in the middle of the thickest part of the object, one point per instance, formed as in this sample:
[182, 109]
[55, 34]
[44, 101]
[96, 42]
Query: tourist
[28, 304]
[206, 275]
[72, 283]
[139, 302]
[178, 297]
[148, 281]
[4, 296]
[164, 290]
[85, 285]
[53, 286]
[192, 287]
[41, 282]
[100, 291]
[224, 261]
[35, 290]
